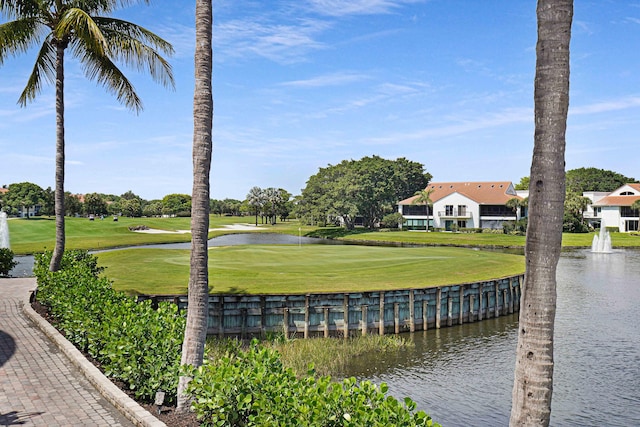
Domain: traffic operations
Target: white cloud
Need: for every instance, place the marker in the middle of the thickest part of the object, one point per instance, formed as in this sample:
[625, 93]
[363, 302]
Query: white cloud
[356, 7]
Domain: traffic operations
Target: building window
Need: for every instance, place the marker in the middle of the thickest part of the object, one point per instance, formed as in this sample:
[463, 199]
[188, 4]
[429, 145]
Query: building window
[631, 225]
[626, 211]
[462, 210]
[448, 210]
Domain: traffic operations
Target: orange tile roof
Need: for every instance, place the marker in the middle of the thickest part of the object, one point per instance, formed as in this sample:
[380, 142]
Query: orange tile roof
[3, 190]
[617, 201]
[484, 193]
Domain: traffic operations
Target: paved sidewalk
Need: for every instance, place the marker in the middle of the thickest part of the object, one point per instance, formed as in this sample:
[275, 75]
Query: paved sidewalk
[39, 384]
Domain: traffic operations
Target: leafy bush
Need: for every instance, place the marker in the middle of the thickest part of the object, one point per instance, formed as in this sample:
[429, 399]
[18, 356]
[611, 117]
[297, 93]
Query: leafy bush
[6, 261]
[392, 220]
[252, 388]
[133, 342]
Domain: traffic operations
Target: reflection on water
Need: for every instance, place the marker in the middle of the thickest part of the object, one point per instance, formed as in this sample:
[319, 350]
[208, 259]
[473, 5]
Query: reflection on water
[463, 376]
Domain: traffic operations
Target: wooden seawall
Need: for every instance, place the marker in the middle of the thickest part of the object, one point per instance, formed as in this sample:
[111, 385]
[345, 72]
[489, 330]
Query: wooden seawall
[350, 313]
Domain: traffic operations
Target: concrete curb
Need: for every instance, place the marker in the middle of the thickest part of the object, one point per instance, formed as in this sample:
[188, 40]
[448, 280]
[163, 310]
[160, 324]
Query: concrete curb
[123, 403]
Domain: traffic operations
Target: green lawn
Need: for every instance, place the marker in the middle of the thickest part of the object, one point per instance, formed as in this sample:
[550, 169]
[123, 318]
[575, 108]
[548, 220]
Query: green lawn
[37, 234]
[278, 269]
[569, 240]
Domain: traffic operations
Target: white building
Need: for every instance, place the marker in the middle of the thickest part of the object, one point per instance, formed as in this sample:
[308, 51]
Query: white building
[614, 209]
[465, 204]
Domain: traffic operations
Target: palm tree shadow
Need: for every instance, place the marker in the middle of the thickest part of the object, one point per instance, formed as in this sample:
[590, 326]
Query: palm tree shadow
[15, 418]
[7, 347]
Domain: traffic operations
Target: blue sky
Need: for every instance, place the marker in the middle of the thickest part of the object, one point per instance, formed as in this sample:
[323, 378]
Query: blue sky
[301, 84]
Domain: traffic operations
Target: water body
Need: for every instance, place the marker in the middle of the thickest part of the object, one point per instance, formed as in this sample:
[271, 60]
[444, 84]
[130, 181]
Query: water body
[463, 376]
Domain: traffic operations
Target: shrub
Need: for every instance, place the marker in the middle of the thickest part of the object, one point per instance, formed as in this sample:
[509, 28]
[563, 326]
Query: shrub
[6, 261]
[392, 220]
[252, 388]
[133, 342]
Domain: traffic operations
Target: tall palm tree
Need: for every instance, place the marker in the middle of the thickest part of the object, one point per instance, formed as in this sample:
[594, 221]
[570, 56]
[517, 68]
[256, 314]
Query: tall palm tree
[424, 198]
[256, 199]
[195, 333]
[97, 41]
[533, 379]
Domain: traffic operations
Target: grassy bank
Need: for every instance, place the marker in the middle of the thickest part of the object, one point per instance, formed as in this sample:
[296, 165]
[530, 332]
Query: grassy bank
[291, 269]
[329, 356]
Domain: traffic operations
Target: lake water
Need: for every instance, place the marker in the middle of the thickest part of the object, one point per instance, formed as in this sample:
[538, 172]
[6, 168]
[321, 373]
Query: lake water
[463, 376]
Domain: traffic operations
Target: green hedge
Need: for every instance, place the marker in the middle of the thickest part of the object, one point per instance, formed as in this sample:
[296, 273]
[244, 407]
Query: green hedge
[133, 342]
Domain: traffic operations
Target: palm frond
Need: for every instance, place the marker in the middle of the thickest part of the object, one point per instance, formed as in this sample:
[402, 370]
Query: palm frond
[45, 66]
[19, 36]
[138, 47]
[77, 23]
[17, 9]
[101, 69]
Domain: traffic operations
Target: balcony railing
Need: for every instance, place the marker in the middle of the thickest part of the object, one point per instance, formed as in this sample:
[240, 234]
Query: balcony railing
[455, 213]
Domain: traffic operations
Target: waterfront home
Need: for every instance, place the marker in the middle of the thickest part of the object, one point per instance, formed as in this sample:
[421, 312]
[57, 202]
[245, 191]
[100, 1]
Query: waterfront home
[614, 208]
[462, 205]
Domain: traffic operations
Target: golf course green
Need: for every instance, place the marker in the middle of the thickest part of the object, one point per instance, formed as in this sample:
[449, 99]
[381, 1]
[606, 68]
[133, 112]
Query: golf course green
[292, 269]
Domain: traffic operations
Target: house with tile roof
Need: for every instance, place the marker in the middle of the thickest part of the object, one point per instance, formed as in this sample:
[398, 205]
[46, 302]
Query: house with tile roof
[614, 209]
[463, 204]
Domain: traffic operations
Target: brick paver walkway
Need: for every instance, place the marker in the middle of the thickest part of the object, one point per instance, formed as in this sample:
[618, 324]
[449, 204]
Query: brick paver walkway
[38, 384]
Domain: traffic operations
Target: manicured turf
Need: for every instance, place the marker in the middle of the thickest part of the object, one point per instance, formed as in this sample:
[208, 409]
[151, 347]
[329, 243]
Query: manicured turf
[278, 269]
[37, 234]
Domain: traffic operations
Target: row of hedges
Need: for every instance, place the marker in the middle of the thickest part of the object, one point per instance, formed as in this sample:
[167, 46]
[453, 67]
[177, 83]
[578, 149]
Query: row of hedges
[132, 342]
[141, 347]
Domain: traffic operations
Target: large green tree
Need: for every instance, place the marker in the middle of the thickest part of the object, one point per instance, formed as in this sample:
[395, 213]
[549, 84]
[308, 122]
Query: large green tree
[98, 42]
[593, 179]
[533, 378]
[367, 188]
[195, 333]
[22, 196]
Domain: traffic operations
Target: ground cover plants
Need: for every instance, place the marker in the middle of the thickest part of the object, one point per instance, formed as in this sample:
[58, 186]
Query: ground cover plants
[293, 269]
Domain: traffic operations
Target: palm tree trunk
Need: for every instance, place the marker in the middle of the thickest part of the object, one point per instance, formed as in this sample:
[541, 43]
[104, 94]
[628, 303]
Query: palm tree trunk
[198, 309]
[56, 258]
[533, 382]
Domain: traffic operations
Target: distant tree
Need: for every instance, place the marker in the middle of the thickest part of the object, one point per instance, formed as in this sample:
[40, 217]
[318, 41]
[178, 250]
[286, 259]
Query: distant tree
[255, 200]
[593, 179]
[523, 184]
[286, 205]
[574, 207]
[23, 196]
[369, 188]
[174, 204]
[48, 202]
[231, 207]
[72, 204]
[94, 204]
[131, 207]
[130, 195]
[96, 41]
[153, 208]
[514, 204]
